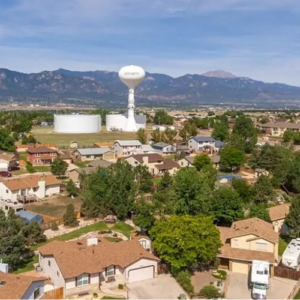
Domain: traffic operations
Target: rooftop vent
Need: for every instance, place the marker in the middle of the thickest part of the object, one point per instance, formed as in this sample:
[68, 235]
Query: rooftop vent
[2, 283]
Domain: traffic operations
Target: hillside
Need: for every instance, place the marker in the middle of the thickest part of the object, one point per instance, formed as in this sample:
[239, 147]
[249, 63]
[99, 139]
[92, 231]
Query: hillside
[102, 87]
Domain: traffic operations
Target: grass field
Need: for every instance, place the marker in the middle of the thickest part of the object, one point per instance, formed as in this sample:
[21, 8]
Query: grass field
[47, 135]
[54, 207]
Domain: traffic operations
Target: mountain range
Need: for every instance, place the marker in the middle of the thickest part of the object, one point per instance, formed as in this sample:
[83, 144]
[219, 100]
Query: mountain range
[105, 88]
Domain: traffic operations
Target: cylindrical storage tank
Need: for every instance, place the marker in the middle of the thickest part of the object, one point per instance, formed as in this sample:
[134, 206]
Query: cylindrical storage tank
[77, 123]
[116, 122]
[132, 76]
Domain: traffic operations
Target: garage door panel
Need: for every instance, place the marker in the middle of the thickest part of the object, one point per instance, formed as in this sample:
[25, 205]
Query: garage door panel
[240, 267]
[141, 274]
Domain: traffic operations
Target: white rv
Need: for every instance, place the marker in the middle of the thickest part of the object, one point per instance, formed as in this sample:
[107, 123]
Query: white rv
[291, 255]
[260, 273]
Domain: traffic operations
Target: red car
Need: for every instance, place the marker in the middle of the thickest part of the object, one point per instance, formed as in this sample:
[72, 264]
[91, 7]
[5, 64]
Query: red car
[5, 174]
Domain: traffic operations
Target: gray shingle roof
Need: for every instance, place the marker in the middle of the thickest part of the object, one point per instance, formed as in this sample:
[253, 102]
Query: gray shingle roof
[203, 139]
[161, 145]
[129, 143]
[93, 151]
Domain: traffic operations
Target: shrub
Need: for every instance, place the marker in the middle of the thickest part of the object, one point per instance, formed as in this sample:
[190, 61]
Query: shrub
[120, 286]
[54, 226]
[109, 231]
[209, 292]
[184, 279]
[102, 231]
[216, 263]
[221, 274]
[115, 235]
[95, 295]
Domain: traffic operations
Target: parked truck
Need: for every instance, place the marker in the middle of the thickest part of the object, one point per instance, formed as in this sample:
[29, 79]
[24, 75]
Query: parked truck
[260, 273]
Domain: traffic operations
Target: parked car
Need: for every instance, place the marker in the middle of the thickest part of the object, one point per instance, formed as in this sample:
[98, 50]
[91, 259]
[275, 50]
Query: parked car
[5, 174]
[14, 168]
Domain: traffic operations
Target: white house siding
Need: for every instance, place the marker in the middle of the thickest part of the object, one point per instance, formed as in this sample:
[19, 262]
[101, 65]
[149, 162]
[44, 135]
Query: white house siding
[142, 263]
[52, 271]
[70, 283]
[133, 162]
[29, 294]
[193, 145]
[94, 278]
[145, 243]
[4, 166]
[53, 189]
[184, 163]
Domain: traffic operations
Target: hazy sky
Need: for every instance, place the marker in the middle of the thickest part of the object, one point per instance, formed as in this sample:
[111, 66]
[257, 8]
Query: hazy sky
[254, 38]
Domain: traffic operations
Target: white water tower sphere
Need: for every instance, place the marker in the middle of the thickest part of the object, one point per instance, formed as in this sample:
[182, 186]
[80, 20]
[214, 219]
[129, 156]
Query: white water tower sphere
[131, 76]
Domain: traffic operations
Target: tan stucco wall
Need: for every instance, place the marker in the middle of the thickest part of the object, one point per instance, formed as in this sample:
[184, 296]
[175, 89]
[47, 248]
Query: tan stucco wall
[140, 264]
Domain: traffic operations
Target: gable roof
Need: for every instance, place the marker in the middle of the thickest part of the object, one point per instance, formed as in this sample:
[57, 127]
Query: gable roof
[16, 285]
[129, 143]
[279, 212]
[94, 258]
[41, 150]
[203, 139]
[152, 157]
[161, 145]
[7, 157]
[93, 151]
[256, 227]
[168, 164]
[190, 159]
[30, 181]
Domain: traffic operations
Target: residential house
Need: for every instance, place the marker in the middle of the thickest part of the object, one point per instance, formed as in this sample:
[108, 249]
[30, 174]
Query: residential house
[100, 163]
[168, 165]
[98, 262]
[41, 155]
[7, 160]
[6, 205]
[277, 216]
[189, 160]
[204, 143]
[18, 286]
[164, 148]
[278, 128]
[76, 173]
[246, 241]
[127, 148]
[89, 154]
[149, 160]
[65, 155]
[29, 187]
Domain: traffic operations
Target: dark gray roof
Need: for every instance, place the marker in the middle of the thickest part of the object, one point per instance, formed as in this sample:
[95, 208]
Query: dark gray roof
[219, 144]
[203, 138]
[93, 151]
[161, 145]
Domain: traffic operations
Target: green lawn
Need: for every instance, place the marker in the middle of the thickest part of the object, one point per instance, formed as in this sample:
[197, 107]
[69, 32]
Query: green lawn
[297, 296]
[81, 164]
[27, 264]
[282, 245]
[23, 156]
[42, 168]
[19, 172]
[113, 239]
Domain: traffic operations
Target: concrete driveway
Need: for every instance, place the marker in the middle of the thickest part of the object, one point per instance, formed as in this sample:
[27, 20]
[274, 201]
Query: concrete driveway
[279, 288]
[162, 287]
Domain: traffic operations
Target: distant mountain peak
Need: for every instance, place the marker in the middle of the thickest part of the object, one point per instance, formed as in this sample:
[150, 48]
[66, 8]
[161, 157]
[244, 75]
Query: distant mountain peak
[219, 74]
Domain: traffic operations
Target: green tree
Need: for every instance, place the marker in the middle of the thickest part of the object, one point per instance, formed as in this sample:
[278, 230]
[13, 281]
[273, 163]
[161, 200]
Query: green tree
[58, 167]
[292, 220]
[186, 241]
[244, 190]
[232, 157]
[209, 292]
[245, 128]
[33, 234]
[210, 172]
[260, 211]
[29, 167]
[220, 132]
[189, 129]
[211, 113]
[201, 160]
[158, 136]
[7, 143]
[293, 175]
[296, 138]
[54, 226]
[162, 117]
[70, 216]
[143, 215]
[287, 136]
[235, 141]
[142, 136]
[170, 135]
[28, 139]
[263, 190]
[192, 192]
[12, 240]
[226, 206]
[102, 112]
[71, 188]
[143, 179]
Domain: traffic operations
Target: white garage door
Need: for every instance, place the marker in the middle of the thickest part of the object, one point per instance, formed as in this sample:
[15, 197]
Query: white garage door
[240, 267]
[141, 274]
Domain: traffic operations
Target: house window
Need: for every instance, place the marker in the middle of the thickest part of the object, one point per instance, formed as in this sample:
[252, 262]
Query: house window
[37, 161]
[57, 273]
[36, 294]
[110, 271]
[6, 191]
[53, 153]
[37, 154]
[49, 263]
[261, 246]
[182, 163]
[35, 189]
[83, 280]
[235, 242]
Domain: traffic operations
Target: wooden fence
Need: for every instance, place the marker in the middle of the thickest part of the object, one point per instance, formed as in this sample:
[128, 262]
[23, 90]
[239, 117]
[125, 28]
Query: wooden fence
[284, 272]
[54, 294]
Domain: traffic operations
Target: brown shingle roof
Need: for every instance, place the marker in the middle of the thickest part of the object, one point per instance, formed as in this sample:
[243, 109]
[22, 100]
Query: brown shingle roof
[41, 150]
[256, 227]
[7, 157]
[30, 181]
[167, 165]
[224, 233]
[243, 254]
[279, 212]
[16, 285]
[94, 259]
[152, 157]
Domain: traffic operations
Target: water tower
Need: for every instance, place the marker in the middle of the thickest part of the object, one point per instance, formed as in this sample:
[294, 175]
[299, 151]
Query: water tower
[131, 76]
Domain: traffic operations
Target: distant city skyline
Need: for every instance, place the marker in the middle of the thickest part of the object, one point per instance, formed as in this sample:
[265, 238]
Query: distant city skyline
[251, 38]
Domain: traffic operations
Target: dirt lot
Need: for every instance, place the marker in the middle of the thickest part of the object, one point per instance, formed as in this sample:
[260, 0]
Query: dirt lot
[54, 207]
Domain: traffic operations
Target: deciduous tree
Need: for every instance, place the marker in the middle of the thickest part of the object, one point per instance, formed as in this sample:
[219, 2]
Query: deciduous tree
[232, 157]
[263, 190]
[58, 167]
[200, 160]
[71, 188]
[292, 220]
[142, 136]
